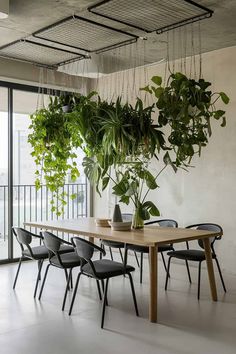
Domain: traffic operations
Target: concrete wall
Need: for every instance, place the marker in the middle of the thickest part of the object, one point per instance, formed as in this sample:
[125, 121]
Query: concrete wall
[207, 193]
[25, 73]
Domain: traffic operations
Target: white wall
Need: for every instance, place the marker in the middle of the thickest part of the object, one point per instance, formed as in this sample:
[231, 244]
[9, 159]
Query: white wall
[207, 193]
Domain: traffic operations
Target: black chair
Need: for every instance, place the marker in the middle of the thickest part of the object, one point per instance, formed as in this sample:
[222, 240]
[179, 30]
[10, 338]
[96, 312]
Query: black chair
[144, 249]
[65, 261]
[197, 255]
[115, 244]
[101, 270]
[37, 253]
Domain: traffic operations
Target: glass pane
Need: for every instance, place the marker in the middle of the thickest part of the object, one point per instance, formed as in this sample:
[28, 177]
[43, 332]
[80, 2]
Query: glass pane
[29, 204]
[3, 173]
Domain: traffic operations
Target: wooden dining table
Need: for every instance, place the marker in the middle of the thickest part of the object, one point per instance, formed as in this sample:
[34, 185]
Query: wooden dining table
[149, 236]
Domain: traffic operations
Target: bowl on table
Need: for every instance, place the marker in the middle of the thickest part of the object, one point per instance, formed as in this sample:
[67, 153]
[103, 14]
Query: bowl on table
[102, 222]
[120, 225]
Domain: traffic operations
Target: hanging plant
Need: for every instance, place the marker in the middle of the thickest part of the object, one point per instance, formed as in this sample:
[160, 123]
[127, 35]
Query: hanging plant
[54, 142]
[187, 107]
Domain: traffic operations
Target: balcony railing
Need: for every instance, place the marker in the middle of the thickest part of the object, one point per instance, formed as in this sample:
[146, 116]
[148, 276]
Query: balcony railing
[30, 204]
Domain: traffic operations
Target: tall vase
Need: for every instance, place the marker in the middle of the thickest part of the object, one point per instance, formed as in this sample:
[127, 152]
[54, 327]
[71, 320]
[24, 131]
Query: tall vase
[117, 214]
[137, 222]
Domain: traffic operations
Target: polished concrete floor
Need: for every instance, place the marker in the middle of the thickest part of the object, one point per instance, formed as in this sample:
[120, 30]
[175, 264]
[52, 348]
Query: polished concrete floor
[186, 326]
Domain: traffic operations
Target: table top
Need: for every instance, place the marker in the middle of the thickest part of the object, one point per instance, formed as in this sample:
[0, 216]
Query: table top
[148, 236]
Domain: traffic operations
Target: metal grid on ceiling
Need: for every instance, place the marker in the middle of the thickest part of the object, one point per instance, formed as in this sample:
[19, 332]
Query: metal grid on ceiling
[38, 53]
[84, 34]
[151, 15]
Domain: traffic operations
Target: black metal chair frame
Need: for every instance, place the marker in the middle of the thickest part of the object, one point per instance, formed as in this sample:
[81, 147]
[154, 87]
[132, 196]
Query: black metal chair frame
[86, 254]
[25, 239]
[201, 226]
[54, 251]
[145, 249]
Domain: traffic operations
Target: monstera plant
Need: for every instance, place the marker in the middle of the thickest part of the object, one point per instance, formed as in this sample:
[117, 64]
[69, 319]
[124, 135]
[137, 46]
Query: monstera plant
[121, 141]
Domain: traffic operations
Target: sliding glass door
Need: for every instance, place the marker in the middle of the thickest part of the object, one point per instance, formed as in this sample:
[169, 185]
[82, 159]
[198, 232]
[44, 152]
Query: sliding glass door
[19, 199]
[3, 173]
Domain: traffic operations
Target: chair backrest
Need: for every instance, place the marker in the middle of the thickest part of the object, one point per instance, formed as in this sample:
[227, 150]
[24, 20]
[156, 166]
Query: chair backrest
[163, 223]
[51, 242]
[23, 236]
[208, 227]
[85, 250]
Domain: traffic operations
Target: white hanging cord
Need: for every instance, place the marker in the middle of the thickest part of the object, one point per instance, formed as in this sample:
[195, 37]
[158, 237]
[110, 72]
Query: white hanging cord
[200, 49]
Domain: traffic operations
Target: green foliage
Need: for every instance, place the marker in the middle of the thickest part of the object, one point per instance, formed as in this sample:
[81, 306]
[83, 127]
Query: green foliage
[186, 106]
[121, 138]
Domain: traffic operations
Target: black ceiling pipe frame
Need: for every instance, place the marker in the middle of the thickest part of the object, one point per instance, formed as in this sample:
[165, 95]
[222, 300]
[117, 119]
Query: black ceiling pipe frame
[78, 56]
[132, 37]
[206, 13]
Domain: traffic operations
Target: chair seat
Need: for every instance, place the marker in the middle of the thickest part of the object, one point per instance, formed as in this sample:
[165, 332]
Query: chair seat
[137, 248]
[144, 249]
[106, 268]
[113, 244]
[190, 255]
[66, 249]
[69, 260]
[39, 252]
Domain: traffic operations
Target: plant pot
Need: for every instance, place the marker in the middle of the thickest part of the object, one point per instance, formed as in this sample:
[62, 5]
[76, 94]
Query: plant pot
[137, 222]
[67, 108]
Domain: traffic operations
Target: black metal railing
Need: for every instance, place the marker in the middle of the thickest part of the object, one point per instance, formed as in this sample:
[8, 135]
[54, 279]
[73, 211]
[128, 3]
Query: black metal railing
[30, 204]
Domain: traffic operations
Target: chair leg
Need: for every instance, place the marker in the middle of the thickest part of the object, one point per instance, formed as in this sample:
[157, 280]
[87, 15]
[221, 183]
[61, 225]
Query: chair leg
[111, 253]
[189, 276]
[103, 289]
[66, 275]
[17, 273]
[221, 276]
[104, 303]
[121, 256]
[168, 272]
[40, 264]
[66, 290]
[99, 289]
[141, 268]
[164, 263]
[39, 268]
[199, 280]
[74, 293]
[136, 257]
[133, 293]
[44, 279]
[102, 246]
[71, 280]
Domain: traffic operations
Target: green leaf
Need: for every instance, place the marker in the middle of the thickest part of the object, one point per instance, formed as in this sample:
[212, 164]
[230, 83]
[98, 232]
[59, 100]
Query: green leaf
[157, 80]
[132, 188]
[124, 199]
[150, 180]
[105, 182]
[218, 114]
[146, 88]
[150, 206]
[224, 97]
[120, 189]
[223, 124]
[167, 161]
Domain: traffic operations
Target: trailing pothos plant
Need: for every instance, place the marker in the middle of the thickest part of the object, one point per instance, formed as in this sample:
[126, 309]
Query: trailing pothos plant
[54, 141]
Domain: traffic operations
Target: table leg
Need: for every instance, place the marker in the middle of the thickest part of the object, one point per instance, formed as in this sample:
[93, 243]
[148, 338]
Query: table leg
[210, 268]
[153, 284]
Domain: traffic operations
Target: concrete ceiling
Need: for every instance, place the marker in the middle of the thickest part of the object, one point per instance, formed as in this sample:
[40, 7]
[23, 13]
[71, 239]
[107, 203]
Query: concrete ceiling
[27, 16]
